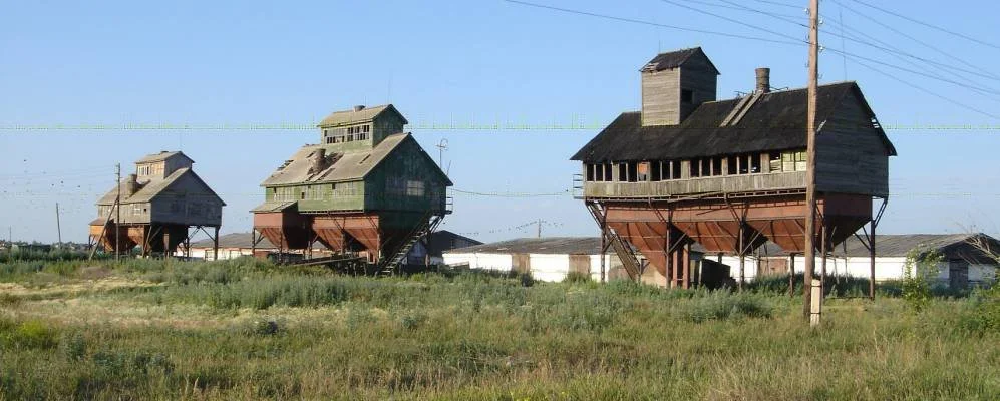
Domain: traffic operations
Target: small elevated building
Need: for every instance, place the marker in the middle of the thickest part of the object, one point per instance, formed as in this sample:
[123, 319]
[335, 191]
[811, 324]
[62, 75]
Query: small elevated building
[367, 188]
[730, 174]
[155, 207]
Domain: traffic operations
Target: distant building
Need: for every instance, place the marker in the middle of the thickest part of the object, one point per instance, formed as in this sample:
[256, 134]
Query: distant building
[964, 264]
[231, 246]
[552, 259]
[156, 206]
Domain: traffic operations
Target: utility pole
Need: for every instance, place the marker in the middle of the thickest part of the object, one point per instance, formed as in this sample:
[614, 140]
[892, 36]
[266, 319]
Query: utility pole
[118, 205]
[539, 228]
[810, 226]
[58, 227]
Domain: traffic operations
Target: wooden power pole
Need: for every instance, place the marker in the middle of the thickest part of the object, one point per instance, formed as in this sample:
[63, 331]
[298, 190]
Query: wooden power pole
[58, 227]
[118, 205]
[810, 226]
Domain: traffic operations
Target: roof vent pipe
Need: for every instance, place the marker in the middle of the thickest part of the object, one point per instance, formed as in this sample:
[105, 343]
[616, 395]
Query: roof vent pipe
[359, 107]
[131, 185]
[763, 80]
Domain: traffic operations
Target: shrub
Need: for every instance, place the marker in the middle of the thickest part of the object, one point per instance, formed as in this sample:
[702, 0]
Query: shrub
[983, 312]
[73, 346]
[577, 277]
[720, 305]
[263, 327]
[921, 265]
[29, 334]
[526, 279]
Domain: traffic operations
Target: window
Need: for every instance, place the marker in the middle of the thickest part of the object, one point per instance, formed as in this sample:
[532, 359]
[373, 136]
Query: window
[366, 128]
[656, 171]
[774, 161]
[675, 169]
[716, 166]
[414, 188]
[641, 171]
[732, 164]
[754, 162]
[694, 164]
[329, 139]
[136, 210]
[706, 166]
[687, 95]
[800, 161]
[590, 171]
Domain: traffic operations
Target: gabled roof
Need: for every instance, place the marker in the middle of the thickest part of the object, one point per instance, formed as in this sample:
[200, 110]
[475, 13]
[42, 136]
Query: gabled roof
[149, 189]
[443, 240]
[347, 166]
[898, 246]
[776, 121]
[677, 58]
[344, 117]
[162, 155]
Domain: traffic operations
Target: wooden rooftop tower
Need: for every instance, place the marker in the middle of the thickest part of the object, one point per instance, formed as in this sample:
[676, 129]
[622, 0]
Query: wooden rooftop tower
[730, 174]
[367, 189]
[156, 207]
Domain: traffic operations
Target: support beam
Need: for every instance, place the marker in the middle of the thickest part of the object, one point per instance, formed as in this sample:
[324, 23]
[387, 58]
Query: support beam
[687, 266]
[215, 247]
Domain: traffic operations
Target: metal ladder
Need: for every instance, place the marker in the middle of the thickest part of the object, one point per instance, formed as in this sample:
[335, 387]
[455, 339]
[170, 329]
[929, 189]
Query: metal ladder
[391, 265]
[622, 248]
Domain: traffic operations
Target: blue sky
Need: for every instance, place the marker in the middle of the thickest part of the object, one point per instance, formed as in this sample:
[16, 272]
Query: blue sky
[441, 62]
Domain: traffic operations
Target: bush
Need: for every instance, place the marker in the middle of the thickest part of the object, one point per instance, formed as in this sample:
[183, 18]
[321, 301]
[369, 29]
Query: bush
[73, 346]
[720, 305]
[983, 313]
[29, 334]
[526, 279]
[920, 267]
[577, 277]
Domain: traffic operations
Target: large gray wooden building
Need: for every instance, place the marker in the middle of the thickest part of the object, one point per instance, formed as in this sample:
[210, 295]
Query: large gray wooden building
[156, 206]
[730, 174]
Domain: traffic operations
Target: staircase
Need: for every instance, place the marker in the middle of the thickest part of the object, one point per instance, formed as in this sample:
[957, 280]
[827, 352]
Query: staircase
[621, 246]
[390, 265]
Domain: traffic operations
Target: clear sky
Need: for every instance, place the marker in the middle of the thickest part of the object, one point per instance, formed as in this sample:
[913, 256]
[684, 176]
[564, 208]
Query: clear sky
[444, 62]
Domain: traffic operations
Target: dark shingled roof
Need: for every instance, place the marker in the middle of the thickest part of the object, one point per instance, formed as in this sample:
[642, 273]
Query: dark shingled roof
[674, 59]
[776, 121]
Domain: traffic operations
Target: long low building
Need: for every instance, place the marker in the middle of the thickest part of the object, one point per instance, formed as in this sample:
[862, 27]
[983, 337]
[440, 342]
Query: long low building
[964, 263]
[552, 259]
[231, 246]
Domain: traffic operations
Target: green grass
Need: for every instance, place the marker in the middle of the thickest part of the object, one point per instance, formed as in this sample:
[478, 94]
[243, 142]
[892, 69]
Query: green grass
[250, 330]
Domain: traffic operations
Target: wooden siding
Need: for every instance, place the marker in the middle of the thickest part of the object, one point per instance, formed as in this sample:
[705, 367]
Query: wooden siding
[661, 96]
[393, 184]
[188, 201]
[699, 77]
[850, 154]
[728, 183]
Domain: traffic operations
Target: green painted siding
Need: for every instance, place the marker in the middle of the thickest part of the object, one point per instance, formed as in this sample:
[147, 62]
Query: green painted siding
[339, 196]
[406, 181]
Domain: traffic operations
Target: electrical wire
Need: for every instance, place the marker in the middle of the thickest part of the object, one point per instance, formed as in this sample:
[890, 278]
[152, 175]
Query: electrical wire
[636, 21]
[929, 25]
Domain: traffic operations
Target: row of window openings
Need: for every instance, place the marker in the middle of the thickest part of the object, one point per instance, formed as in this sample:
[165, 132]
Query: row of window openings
[313, 192]
[699, 167]
[355, 133]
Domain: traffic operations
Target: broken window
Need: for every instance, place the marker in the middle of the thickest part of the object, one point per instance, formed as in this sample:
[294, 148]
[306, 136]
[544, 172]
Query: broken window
[716, 166]
[414, 188]
[687, 95]
[655, 170]
[706, 166]
[694, 166]
[675, 169]
[754, 162]
[774, 161]
[642, 171]
[590, 171]
[608, 175]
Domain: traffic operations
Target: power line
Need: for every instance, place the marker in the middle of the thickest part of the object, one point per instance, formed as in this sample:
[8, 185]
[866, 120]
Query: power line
[929, 25]
[925, 90]
[736, 21]
[636, 21]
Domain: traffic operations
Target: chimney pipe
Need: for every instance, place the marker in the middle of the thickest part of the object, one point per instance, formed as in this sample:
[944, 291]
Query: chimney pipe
[359, 107]
[318, 161]
[763, 80]
[131, 185]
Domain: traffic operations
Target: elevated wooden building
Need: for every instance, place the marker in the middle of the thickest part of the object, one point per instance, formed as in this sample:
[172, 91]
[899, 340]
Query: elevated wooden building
[366, 189]
[730, 174]
[155, 207]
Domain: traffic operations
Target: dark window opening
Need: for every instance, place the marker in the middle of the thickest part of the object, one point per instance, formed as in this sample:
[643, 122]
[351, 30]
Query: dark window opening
[608, 175]
[706, 167]
[687, 95]
[731, 164]
[590, 171]
[755, 162]
[716, 166]
[695, 164]
[655, 171]
[675, 169]
[774, 161]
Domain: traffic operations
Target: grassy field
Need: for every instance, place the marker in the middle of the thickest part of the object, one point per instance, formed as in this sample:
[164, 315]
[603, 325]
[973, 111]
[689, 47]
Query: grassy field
[246, 330]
